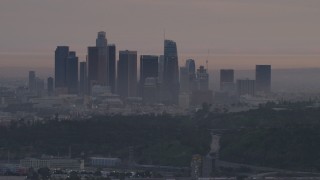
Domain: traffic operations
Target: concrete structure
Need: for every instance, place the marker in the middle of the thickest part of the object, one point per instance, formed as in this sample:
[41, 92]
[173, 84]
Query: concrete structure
[170, 73]
[103, 66]
[98, 65]
[52, 163]
[202, 79]
[245, 87]
[127, 74]
[150, 90]
[72, 73]
[184, 100]
[105, 162]
[50, 86]
[161, 69]
[98, 90]
[60, 65]
[83, 86]
[93, 63]
[188, 77]
[32, 82]
[112, 67]
[184, 80]
[263, 78]
[191, 68]
[196, 166]
[40, 87]
[148, 69]
[227, 80]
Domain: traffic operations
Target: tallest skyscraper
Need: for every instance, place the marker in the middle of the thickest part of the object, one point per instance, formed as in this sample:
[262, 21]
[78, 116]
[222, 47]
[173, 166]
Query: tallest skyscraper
[102, 45]
[170, 73]
[98, 62]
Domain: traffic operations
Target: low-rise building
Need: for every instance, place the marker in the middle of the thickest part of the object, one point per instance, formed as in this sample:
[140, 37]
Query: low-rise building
[105, 162]
[54, 163]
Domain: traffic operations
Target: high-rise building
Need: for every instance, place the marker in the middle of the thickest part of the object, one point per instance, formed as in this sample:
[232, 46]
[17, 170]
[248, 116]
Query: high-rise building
[103, 66]
[98, 62]
[112, 67]
[72, 73]
[150, 90]
[201, 94]
[227, 80]
[148, 68]
[127, 74]
[83, 86]
[160, 69]
[263, 78]
[202, 79]
[92, 67]
[32, 82]
[245, 87]
[191, 66]
[60, 66]
[50, 86]
[184, 80]
[40, 87]
[170, 73]
[188, 77]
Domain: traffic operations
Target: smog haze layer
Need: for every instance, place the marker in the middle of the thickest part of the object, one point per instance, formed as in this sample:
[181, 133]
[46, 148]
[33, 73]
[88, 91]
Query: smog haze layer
[237, 34]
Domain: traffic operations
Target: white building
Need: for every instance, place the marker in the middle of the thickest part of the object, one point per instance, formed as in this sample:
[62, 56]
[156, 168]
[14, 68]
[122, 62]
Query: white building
[105, 162]
[55, 163]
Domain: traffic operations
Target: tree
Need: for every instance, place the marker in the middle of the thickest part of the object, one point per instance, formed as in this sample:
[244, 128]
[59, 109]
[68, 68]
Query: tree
[32, 175]
[44, 173]
[73, 176]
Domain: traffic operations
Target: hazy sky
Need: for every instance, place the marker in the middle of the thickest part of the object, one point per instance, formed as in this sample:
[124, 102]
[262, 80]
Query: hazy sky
[31, 29]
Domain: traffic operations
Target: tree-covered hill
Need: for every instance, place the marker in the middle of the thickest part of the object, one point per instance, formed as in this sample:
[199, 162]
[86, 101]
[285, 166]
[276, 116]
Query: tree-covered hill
[287, 138]
[166, 140]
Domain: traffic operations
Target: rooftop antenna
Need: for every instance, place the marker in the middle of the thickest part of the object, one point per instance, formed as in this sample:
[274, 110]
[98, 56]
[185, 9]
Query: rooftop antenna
[207, 59]
[164, 34]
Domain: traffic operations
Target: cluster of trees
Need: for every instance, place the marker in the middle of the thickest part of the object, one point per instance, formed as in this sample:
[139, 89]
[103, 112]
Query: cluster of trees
[281, 138]
[287, 138]
[164, 140]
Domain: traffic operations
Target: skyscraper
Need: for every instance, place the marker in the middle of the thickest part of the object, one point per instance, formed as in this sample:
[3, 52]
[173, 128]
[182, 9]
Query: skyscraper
[92, 67]
[83, 86]
[102, 45]
[60, 65]
[188, 76]
[202, 79]
[72, 73]
[101, 71]
[40, 87]
[112, 67]
[226, 80]
[50, 86]
[184, 80]
[263, 78]
[201, 94]
[127, 74]
[150, 90]
[170, 73]
[160, 69]
[148, 68]
[32, 82]
[191, 66]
